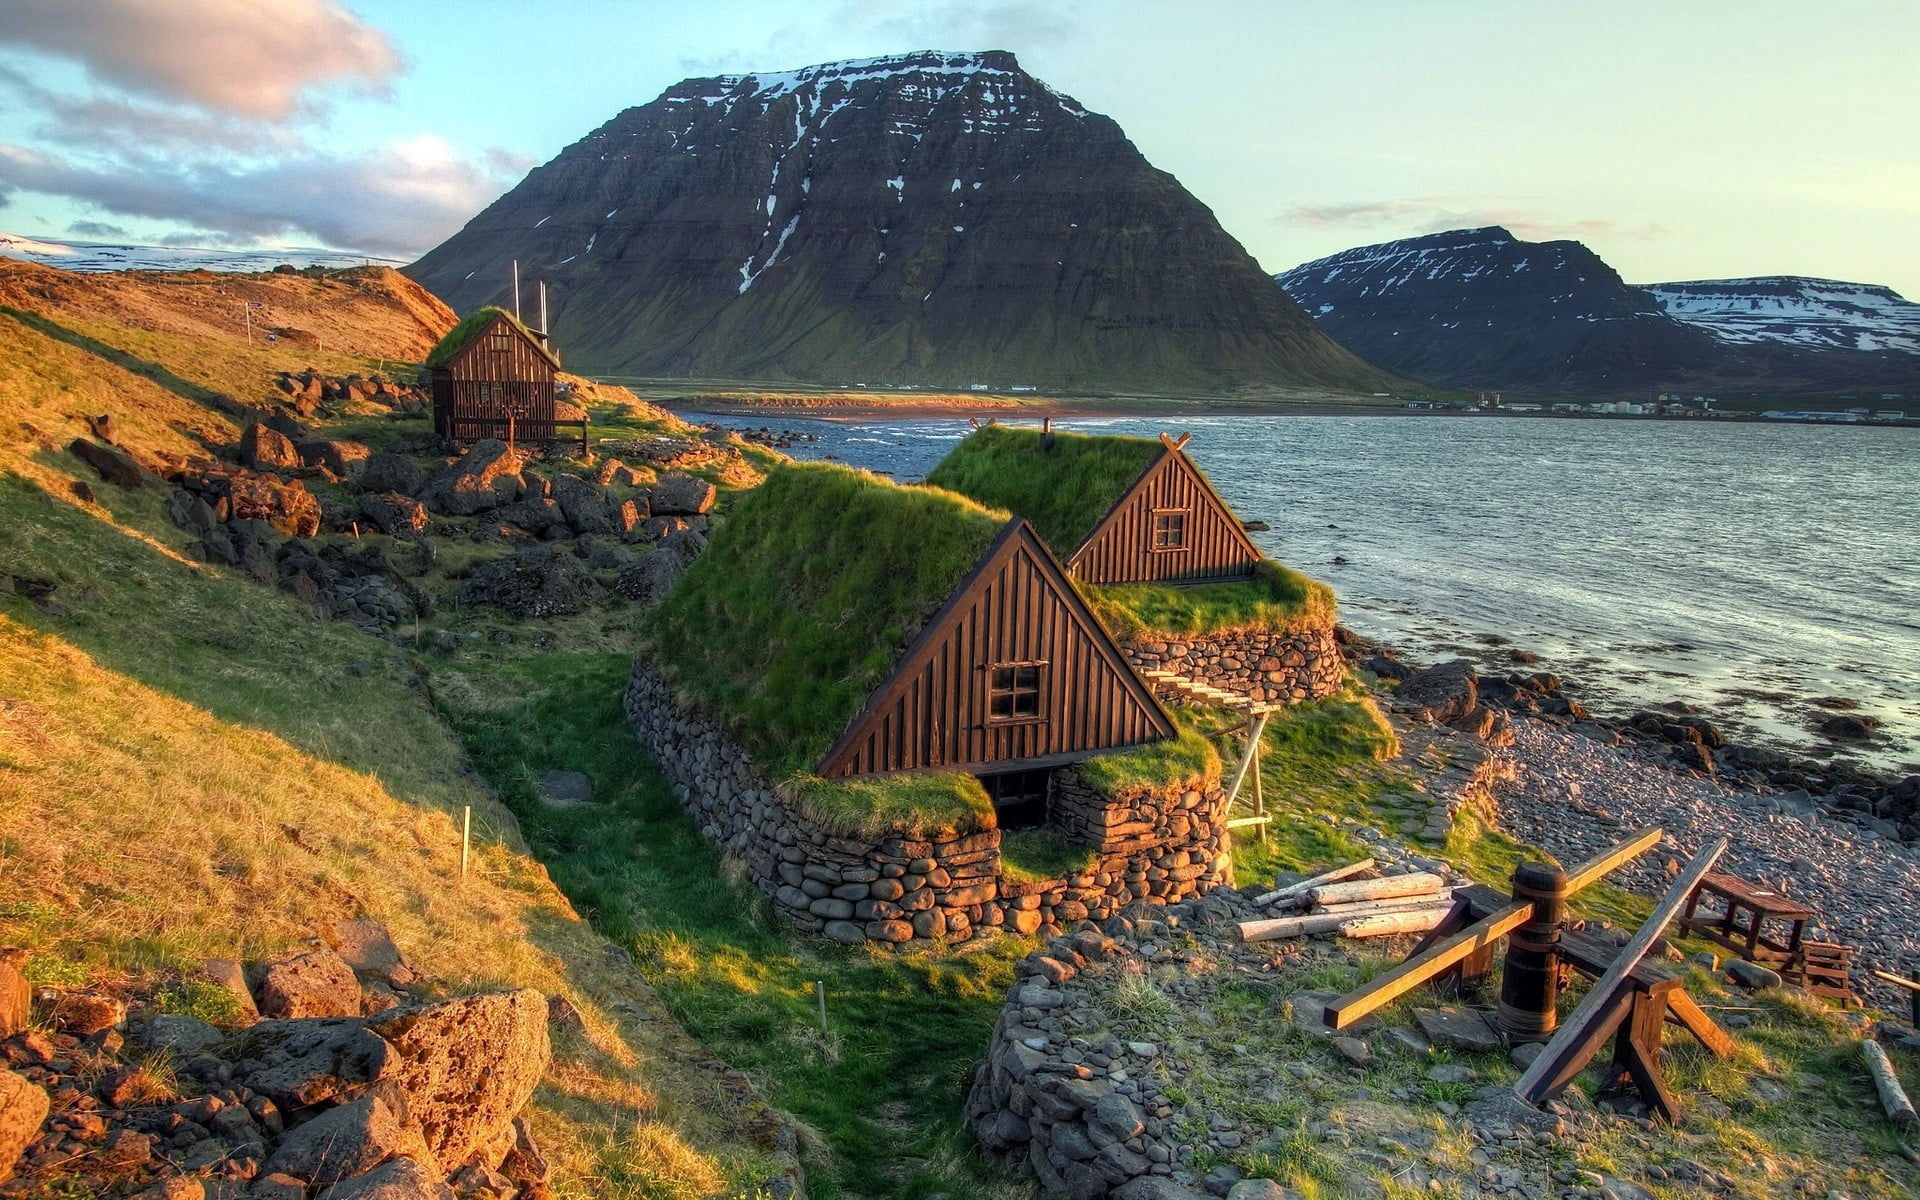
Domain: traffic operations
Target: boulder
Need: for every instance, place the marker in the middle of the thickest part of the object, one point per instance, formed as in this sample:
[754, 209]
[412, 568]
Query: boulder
[535, 514]
[16, 995]
[1443, 693]
[535, 582]
[649, 579]
[23, 1107]
[182, 1036]
[400, 1179]
[393, 513]
[1386, 666]
[628, 518]
[352, 1139]
[306, 1062]
[265, 448]
[1262, 1189]
[339, 455]
[485, 477]
[226, 974]
[284, 504]
[679, 494]
[114, 466]
[318, 983]
[584, 505]
[367, 947]
[564, 789]
[1849, 727]
[384, 472]
[466, 1066]
[1156, 1187]
[84, 1014]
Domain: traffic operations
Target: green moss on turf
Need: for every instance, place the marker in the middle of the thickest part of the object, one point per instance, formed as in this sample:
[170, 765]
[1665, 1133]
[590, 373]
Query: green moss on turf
[1031, 855]
[921, 804]
[1276, 598]
[1187, 760]
[1064, 489]
[460, 335]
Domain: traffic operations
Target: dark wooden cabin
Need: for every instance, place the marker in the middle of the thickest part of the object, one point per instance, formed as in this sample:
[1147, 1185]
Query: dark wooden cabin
[492, 377]
[1116, 509]
[845, 627]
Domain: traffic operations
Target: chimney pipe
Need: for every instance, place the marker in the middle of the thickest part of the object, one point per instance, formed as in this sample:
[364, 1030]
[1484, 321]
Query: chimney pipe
[543, 312]
[516, 289]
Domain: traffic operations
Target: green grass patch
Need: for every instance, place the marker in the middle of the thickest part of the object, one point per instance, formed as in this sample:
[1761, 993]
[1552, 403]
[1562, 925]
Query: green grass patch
[805, 600]
[883, 1087]
[1277, 598]
[1031, 855]
[1064, 489]
[1188, 759]
[919, 804]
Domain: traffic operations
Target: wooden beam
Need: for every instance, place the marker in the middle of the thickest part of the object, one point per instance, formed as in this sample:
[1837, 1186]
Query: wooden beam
[1173, 444]
[1413, 920]
[1893, 1097]
[1299, 890]
[1613, 858]
[1417, 883]
[1443, 955]
[1560, 1050]
[1912, 985]
[1274, 928]
[1246, 760]
[1694, 1019]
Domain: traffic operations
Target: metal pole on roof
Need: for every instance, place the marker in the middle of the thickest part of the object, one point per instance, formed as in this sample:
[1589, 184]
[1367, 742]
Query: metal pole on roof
[544, 332]
[516, 289]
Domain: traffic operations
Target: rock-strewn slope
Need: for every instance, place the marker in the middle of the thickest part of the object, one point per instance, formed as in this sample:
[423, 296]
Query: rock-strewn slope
[935, 219]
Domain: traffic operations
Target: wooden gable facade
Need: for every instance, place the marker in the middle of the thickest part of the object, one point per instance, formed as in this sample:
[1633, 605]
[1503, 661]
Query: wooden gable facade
[1169, 527]
[1014, 673]
[498, 380]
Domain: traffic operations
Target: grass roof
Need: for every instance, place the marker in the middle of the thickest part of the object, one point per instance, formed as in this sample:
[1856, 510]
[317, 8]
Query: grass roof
[469, 328]
[1063, 489]
[1276, 598]
[804, 601]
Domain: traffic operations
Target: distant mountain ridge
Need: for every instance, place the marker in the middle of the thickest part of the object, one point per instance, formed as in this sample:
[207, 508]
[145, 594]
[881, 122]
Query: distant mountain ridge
[931, 219]
[1480, 308]
[132, 256]
[1793, 310]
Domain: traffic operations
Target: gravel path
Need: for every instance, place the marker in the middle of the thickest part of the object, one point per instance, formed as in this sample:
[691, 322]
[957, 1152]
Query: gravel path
[1574, 796]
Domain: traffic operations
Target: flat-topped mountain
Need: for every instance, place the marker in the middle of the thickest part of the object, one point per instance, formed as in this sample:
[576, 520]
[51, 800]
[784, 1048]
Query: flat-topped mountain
[1792, 310]
[1481, 308]
[932, 219]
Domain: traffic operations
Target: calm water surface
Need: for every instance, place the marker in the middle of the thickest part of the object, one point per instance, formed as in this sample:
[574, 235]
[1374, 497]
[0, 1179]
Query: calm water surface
[1745, 568]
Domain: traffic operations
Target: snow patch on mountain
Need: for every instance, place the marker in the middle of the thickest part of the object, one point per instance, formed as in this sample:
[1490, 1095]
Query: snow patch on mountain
[116, 256]
[1821, 314]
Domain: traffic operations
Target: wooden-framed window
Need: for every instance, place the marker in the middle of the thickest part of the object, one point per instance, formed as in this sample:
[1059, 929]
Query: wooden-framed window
[1015, 692]
[1019, 797]
[499, 341]
[1169, 529]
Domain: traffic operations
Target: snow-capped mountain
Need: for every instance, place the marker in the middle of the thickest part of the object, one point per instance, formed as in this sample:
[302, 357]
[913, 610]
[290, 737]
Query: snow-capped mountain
[1481, 308]
[931, 218]
[114, 256]
[1791, 310]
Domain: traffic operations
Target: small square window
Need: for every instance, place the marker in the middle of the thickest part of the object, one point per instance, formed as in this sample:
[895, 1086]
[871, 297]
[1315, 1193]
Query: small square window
[1170, 529]
[1013, 692]
[500, 341]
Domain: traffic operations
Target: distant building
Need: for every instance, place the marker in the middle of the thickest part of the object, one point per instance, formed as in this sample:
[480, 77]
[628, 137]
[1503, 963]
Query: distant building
[492, 377]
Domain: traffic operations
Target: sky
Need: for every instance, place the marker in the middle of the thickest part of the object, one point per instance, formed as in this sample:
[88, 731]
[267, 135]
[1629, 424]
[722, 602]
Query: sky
[1681, 139]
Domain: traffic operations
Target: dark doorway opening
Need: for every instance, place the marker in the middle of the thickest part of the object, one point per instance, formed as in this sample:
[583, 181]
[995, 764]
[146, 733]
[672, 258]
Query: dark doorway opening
[1019, 797]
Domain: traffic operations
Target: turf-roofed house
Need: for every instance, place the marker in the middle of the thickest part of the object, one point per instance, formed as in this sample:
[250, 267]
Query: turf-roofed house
[892, 706]
[1162, 559]
[492, 377]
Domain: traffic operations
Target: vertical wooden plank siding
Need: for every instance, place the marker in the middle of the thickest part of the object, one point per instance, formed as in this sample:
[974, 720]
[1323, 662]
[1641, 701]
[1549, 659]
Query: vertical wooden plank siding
[1120, 549]
[470, 393]
[935, 713]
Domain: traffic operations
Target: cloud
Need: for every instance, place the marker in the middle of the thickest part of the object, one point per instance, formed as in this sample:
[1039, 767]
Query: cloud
[239, 57]
[399, 199]
[96, 229]
[112, 124]
[1434, 214]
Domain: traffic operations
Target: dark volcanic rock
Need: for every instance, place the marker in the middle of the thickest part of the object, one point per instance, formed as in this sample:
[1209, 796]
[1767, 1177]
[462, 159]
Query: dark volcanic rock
[536, 582]
[1443, 693]
[114, 466]
[928, 218]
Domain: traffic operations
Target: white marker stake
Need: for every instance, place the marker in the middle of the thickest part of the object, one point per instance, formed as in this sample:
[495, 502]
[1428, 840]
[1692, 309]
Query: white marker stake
[466, 837]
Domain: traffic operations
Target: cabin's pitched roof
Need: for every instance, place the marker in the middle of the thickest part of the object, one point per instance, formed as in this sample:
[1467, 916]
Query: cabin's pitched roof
[1064, 487]
[806, 599]
[460, 336]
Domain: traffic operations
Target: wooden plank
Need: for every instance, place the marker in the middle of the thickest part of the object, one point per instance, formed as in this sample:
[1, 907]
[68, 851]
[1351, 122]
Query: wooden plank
[1245, 822]
[1246, 759]
[1555, 1057]
[1276, 928]
[1612, 1009]
[1424, 966]
[1301, 888]
[1613, 858]
[1691, 1017]
[1419, 883]
[1886, 1081]
[1912, 985]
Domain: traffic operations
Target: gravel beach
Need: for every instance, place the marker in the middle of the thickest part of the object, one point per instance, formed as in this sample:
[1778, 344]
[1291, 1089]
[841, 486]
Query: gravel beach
[1574, 796]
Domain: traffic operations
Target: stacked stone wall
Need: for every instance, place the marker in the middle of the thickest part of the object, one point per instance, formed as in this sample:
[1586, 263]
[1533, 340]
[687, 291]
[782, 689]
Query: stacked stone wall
[1158, 845]
[1273, 667]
